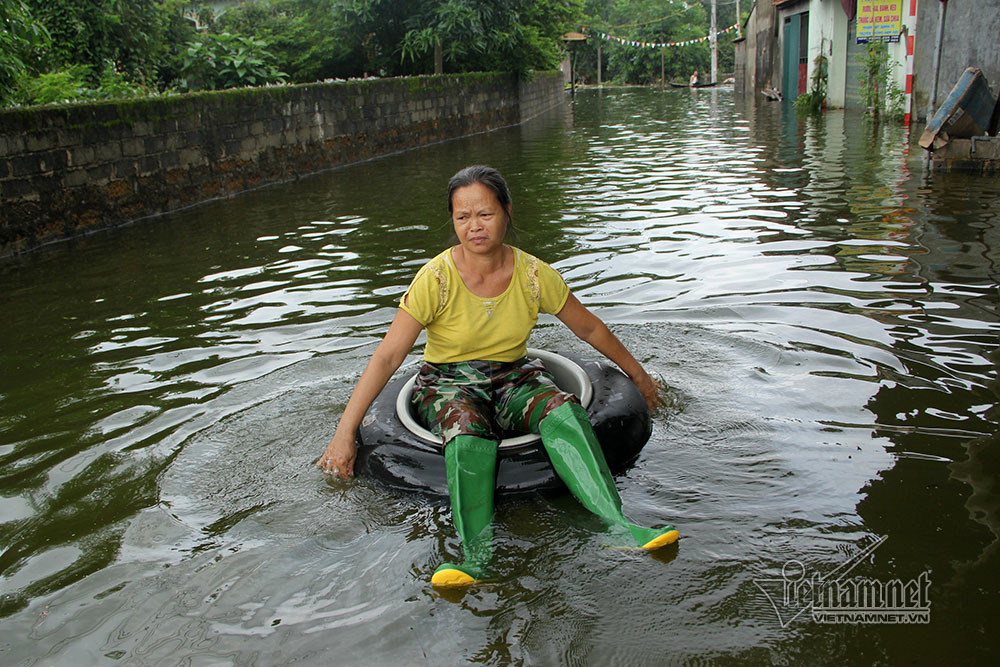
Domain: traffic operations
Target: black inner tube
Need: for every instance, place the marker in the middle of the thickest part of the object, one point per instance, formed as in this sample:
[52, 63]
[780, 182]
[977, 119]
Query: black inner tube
[389, 452]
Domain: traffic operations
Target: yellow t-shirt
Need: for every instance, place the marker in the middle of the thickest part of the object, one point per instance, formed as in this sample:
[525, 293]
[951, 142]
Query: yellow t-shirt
[462, 326]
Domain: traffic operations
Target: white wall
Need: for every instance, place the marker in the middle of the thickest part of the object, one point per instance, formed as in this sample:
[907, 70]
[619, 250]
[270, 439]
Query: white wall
[828, 35]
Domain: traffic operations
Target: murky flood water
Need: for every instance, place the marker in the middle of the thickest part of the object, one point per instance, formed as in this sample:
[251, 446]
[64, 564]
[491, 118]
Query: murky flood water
[822, 311]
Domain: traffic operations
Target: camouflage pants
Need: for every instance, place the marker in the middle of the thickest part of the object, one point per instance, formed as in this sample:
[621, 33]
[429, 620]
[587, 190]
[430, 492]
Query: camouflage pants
[487, 399]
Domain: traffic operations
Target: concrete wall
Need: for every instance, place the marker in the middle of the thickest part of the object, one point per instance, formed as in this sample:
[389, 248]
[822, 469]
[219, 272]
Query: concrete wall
[67, 170]
[971, 39]
[758, 56]
[827, 36]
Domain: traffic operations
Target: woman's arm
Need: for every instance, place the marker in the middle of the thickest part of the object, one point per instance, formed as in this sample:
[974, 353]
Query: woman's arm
[338, 459]
[588, 327]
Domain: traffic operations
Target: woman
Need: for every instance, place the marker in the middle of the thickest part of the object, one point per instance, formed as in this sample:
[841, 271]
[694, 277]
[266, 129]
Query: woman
[479, 301]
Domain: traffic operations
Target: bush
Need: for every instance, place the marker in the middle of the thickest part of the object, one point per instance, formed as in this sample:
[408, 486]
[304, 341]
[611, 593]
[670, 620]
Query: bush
[882, 97]
[72, 84]
[815, 99]
[66, 85]
[215, 62]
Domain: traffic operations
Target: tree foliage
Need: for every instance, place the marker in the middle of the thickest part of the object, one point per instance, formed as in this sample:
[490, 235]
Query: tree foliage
[318, 39]
[654, 21]
[215, 62]
[517, 35]
[310, 39]
[78, 49]
[127, 33]
[22, 39]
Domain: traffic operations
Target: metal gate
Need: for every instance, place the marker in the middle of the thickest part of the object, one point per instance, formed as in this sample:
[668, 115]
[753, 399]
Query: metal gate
[795, 59]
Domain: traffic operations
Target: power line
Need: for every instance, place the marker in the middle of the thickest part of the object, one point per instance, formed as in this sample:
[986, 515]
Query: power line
[662, 18]
[656, 45]
[669, 16]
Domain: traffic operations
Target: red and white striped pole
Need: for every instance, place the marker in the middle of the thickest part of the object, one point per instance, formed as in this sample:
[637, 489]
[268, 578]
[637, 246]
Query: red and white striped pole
[911, 34]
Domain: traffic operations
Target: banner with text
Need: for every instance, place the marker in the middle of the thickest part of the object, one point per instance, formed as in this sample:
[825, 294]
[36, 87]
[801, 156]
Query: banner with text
[879, 20]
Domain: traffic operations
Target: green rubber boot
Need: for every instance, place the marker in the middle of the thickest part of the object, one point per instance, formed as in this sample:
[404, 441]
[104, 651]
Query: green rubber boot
[577, 458]
[471, 463]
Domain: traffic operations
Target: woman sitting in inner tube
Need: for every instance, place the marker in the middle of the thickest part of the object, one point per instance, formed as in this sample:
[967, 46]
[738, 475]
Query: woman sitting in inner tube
[479, 301]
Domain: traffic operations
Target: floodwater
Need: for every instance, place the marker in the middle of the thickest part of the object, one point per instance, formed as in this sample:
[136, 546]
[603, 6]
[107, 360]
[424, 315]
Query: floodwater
[821, 309]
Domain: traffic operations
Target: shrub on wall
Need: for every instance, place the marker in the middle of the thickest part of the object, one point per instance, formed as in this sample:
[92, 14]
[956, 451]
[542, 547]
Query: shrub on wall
[216, 62]
[74, 84]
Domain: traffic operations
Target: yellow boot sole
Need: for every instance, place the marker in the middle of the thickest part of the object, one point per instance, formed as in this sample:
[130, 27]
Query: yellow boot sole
[451, 578]
[663, 540]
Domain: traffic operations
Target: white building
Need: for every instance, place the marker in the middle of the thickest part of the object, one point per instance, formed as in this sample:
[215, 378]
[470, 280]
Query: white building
[933, 42]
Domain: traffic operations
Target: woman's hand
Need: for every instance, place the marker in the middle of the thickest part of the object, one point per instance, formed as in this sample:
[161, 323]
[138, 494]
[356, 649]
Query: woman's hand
[649, 389]
[338, 459]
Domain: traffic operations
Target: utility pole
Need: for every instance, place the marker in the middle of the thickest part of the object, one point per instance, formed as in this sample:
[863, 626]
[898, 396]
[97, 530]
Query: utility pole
[739, 20]
[937, 58]
[663, 51]
[714, 41]
[571, 38]
[598, 64]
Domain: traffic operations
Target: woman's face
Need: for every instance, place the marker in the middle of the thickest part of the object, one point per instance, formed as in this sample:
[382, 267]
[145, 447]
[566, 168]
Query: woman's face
[479, 219]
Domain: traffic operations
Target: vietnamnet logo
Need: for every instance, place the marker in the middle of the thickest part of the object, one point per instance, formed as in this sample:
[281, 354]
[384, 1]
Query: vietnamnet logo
[837, 598]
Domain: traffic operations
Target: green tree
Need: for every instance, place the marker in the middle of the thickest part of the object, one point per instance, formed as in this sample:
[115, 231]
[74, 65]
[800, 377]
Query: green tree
[119, 47]
[176, 33]
[93, 32]
[304, 36]
[654, 22]
[21, 42]
[374, 31]
[317, 39]
[482, 35]
[322, 39]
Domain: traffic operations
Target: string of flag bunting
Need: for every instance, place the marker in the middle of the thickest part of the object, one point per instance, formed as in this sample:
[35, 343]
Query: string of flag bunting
[654, 45]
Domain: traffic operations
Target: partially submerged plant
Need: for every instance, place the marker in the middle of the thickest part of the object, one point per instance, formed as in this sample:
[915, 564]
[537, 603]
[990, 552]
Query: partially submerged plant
[815, 100]
[882, 97]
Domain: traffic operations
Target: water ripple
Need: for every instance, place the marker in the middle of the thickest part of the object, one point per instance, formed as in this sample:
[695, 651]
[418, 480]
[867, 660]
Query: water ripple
[822, 315]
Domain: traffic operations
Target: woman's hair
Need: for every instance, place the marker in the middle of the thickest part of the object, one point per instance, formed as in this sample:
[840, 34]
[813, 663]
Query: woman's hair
[488, 177]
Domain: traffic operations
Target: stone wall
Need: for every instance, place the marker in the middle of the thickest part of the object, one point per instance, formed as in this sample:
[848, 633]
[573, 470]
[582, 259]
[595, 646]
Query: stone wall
[71, 169]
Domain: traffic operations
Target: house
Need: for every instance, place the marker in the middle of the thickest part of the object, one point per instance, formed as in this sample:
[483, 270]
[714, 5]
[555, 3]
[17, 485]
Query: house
[782, 40]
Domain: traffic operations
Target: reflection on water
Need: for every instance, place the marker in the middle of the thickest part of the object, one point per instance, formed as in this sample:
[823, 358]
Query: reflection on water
[823, 311]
